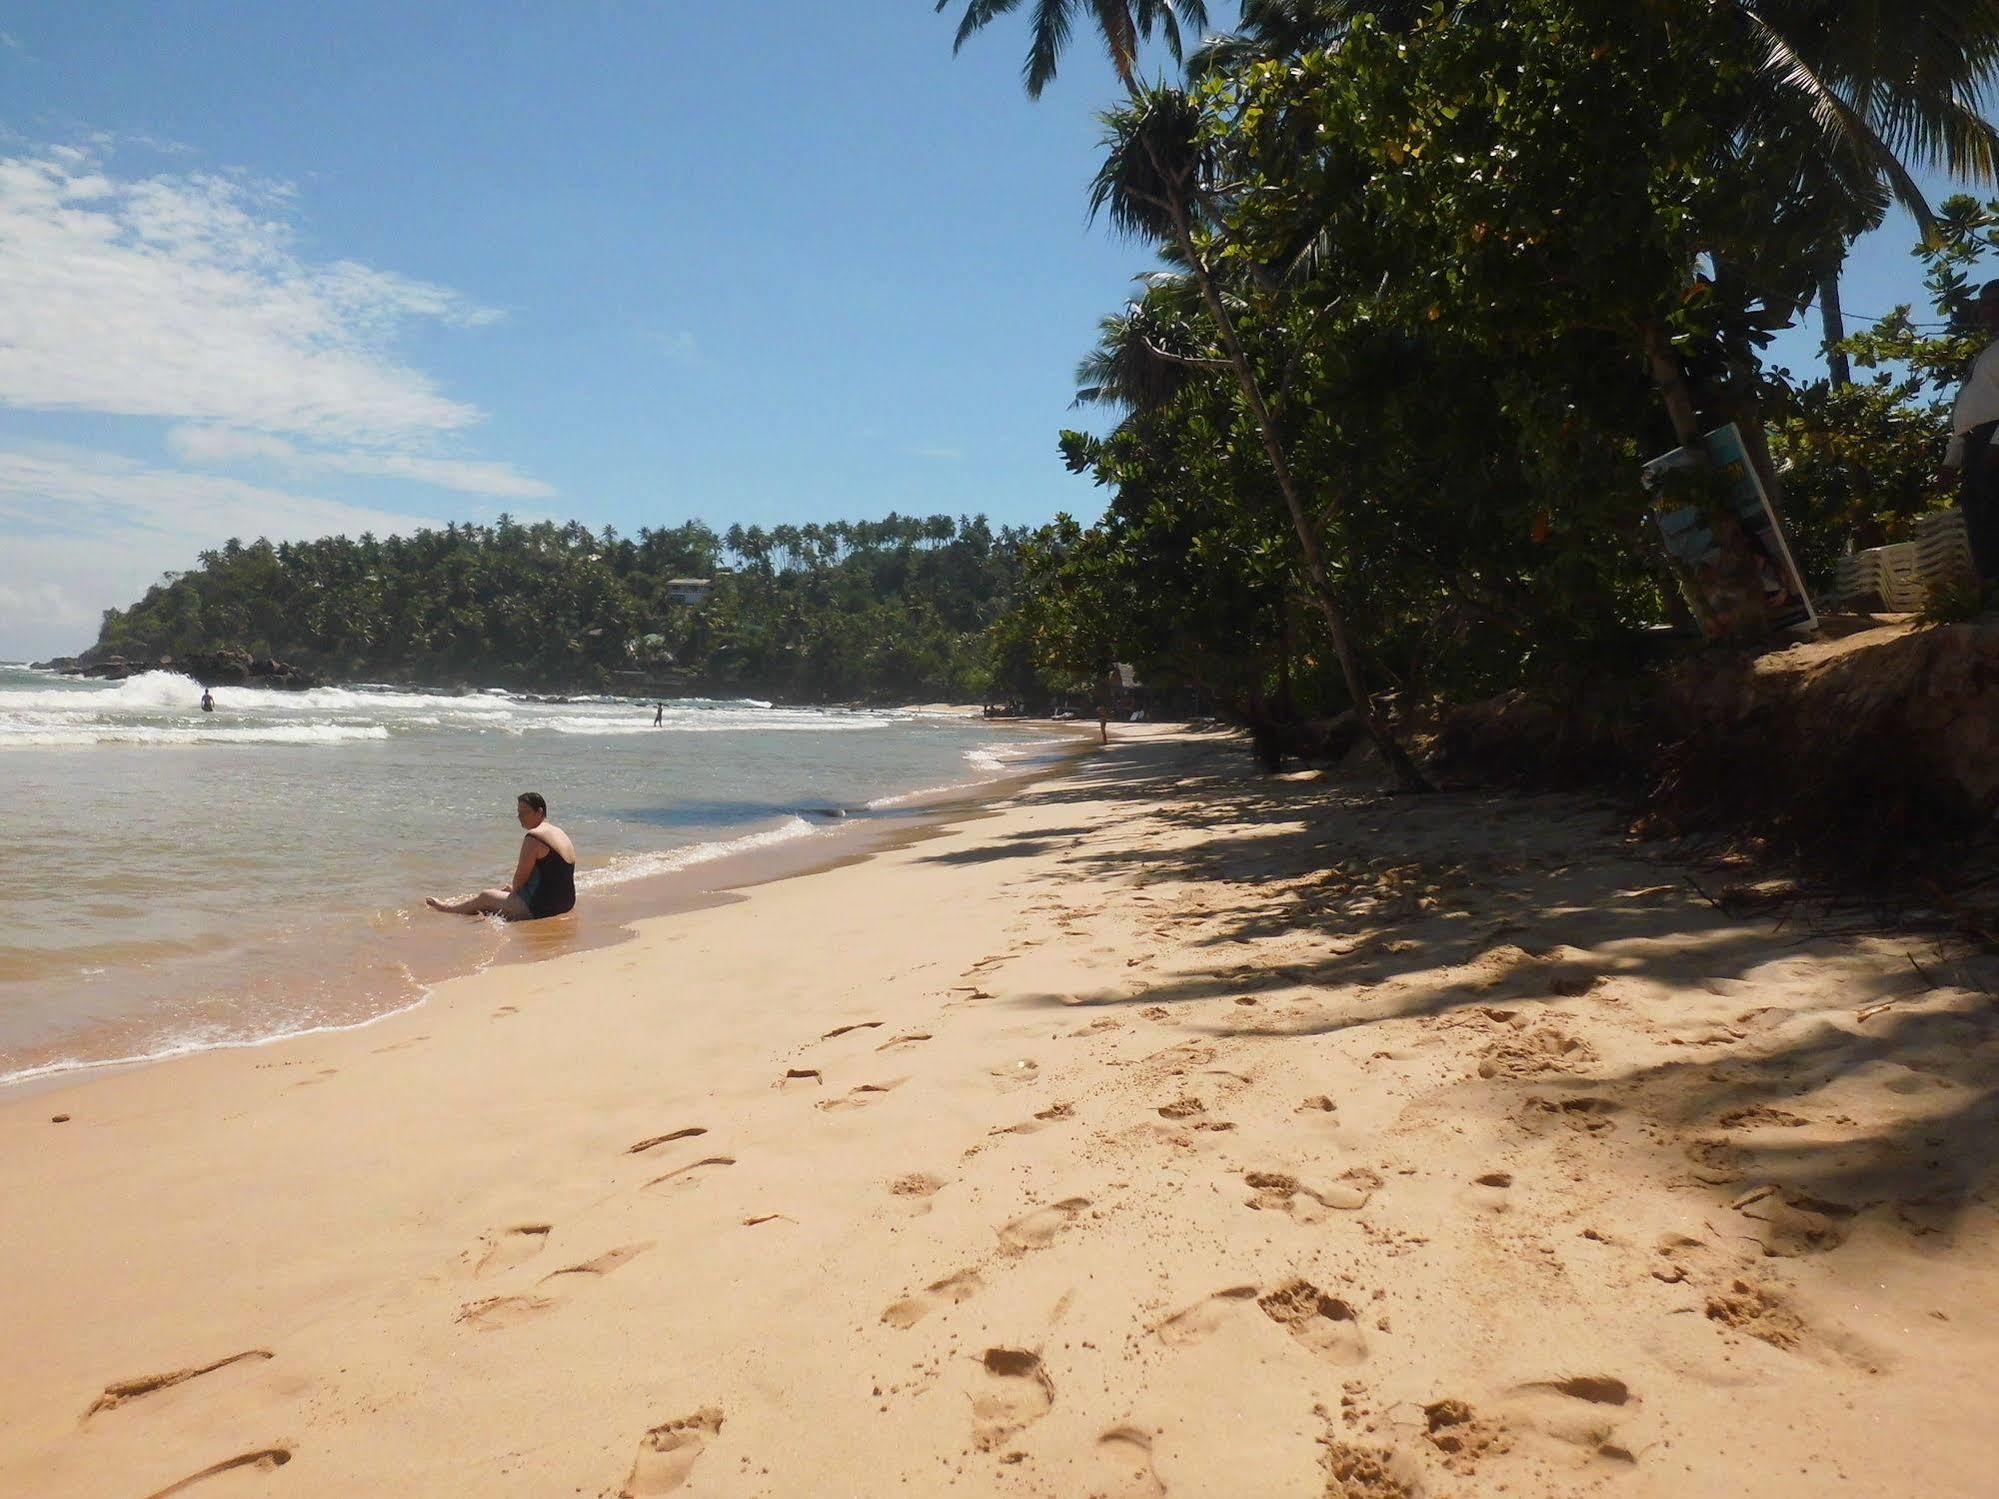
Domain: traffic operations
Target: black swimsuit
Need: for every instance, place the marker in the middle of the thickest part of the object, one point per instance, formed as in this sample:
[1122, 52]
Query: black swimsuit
[552, 887]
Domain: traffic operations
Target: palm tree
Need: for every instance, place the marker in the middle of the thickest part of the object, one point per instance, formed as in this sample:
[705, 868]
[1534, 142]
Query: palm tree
[1123, 24]
[1149, 184]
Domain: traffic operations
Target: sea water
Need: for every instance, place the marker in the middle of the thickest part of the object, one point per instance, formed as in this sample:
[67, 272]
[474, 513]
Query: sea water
[175, 880]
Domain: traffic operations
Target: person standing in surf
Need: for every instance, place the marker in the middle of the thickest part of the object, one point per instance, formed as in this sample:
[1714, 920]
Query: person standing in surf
[544, 882]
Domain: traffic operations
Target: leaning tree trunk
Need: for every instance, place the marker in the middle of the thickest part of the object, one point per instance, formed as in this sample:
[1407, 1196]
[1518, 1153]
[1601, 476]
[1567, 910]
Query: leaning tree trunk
[1407, 774]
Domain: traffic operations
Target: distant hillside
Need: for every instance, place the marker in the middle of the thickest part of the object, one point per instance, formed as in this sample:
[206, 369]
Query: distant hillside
[871, 609]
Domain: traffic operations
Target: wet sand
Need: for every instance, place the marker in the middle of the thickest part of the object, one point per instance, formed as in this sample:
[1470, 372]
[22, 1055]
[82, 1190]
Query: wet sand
[1170, 1130]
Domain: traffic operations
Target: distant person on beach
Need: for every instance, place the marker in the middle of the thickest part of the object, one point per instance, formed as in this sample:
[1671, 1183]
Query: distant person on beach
[1104, 720]
[658, 714]
[207, 701]
[1972, 460]
[544, 882]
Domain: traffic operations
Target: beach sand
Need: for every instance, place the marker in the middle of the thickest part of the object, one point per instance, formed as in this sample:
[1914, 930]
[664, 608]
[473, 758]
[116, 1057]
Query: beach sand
[1169, 1131]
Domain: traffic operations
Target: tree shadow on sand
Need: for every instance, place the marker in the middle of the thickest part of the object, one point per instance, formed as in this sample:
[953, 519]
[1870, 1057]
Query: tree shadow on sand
[1367, 908]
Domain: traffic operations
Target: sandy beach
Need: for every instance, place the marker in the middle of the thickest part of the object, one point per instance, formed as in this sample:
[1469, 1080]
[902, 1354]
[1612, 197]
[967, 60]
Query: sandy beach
[1164, 1130]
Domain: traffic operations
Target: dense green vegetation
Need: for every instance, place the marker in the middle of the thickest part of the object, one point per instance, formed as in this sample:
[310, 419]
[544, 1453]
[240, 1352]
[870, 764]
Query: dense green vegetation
[896, 608]
[1431, 280]
[1435, 279]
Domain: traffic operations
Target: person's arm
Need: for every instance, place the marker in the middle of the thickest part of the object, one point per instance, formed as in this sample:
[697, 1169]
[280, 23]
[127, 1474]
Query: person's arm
[532, 849]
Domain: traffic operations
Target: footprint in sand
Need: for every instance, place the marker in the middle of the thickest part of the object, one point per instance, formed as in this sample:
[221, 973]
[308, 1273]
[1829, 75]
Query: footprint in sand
[1204, 1318]
[917, 1184]
[1789, 1224]
[801, 1075]
[1491, 1192]
[949, 1291]
[1121, 1467]
[1764, 1311]
[510, 1247]
[494, 1312]
[603, 1264]
[1356, 1472]
[1277, 1191]
[1545, 1048]
[858, 1098]
[667, 1454]
[1460, 1435]
[127, 1390]
[640, 1147]
[692, 1173]
[1757, 1116]
[1054, 1114]
[1014, 1392]
[858, 1025]
[265, 1458]
[1589, 1115]
[1326, 1325]
[1716, 1162]
[913, 1038]
[1036, 1230]
[1584, 1410]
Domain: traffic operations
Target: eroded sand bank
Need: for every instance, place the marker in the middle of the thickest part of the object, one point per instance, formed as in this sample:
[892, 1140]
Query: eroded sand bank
[1172, 1131]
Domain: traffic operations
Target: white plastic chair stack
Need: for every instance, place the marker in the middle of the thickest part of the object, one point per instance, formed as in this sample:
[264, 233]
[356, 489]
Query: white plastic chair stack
[1892, 574]
[1904, 575]
[1943, 551]
[1857, 579]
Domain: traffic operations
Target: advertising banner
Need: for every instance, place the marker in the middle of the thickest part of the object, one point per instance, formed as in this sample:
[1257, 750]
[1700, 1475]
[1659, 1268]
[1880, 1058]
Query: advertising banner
[1690, 536]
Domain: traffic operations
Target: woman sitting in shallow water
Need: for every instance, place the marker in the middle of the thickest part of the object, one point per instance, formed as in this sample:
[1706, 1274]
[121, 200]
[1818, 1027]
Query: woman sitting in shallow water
[544, 882]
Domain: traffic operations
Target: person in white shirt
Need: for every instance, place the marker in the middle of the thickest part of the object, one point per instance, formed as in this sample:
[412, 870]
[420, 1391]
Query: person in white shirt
[1972, 459]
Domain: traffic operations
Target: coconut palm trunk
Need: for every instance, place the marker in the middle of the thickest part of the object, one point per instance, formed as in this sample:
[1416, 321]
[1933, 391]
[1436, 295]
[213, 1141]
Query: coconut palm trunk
[1407, 774]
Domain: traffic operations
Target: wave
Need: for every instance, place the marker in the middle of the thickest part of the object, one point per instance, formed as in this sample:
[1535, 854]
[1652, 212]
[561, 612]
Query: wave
[190, 1045]
[645, 866]
[164, 708]
[46, 736]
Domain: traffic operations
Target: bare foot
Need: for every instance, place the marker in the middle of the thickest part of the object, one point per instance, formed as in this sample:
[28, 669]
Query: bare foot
[435, 904]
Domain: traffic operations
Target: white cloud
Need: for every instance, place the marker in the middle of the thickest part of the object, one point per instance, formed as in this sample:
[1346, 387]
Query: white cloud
[84, 531]
[185, 297]
[222, 445]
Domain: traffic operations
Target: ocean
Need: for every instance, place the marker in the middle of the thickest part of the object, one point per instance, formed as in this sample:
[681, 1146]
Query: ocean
[177, 880]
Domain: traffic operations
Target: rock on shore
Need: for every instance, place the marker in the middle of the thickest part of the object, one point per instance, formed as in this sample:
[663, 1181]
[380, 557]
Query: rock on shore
[210, 668]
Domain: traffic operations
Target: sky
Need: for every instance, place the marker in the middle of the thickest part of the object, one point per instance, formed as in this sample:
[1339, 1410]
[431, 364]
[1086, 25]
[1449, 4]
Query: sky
[292, 270]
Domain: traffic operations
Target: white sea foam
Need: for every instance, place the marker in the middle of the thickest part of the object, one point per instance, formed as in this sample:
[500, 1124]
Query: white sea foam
[189, 1045]
[164, 708]
[644, 866]
[55, 736]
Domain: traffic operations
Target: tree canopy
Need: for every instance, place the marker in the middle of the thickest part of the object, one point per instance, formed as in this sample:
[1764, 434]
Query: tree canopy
[895, 608]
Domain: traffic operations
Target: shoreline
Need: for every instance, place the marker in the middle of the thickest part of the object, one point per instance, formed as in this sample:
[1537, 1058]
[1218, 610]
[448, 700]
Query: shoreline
[711, 873]
[1158, 1129]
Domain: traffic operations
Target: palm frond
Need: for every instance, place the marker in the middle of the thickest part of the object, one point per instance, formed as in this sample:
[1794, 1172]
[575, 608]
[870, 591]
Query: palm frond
[978, 15]
[1045, 45]
[1842, 122]
[1151, 164]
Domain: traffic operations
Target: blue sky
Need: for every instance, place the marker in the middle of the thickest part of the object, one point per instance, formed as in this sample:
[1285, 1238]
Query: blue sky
[293, 269]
